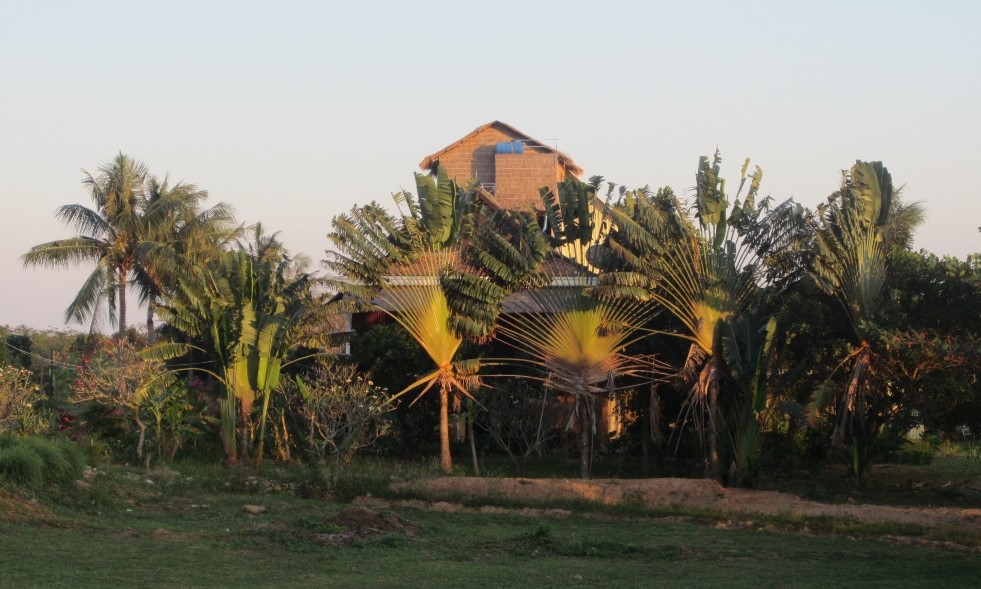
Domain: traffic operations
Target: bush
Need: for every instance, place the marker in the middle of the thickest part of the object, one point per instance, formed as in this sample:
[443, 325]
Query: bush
[340, 410]
[913, 453]
[19, 397]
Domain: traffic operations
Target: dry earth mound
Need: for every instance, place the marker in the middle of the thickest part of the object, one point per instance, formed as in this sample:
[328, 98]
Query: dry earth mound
[671, 492]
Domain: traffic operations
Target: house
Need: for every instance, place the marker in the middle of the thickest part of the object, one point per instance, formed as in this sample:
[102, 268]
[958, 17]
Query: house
[510, 168]
[509, 165]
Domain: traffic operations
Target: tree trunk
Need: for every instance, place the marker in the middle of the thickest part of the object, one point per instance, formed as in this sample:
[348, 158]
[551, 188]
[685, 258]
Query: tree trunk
[122, 303]
[645, 442]
[864, 467]
[151, 334]
[585, 442]
[714, 472]
[473, 447]
[245, 435]
[445, 458]
[141, 427]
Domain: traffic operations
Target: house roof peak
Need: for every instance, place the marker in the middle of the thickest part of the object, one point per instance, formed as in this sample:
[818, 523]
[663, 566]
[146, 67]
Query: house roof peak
[430, 160]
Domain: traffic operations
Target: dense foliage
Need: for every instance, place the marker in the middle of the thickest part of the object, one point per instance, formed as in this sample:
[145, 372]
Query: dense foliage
[723, 334]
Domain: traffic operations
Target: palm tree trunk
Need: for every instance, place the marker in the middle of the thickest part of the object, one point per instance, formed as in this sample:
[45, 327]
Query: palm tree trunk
[584, 448]
[122, 303]
[585, 438]
[151, 335]
[714, 472]
[473, 446]
[141, 427]
[445, 458]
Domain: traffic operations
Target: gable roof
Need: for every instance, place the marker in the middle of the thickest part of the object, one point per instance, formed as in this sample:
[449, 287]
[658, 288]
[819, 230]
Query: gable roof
[566, 161]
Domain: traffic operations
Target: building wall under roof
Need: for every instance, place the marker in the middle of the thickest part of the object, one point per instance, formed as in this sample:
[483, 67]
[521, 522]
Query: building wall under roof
[514, 179]
[474, 156]
[519, 176]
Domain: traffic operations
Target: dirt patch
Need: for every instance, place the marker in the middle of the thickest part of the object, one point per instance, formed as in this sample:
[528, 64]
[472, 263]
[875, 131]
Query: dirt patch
[672, 492]
[360, 523]
[15, 509]
[668, 492]
[447, 507]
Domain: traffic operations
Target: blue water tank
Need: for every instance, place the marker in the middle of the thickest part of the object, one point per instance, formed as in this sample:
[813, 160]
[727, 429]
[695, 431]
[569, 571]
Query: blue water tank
[509, 147]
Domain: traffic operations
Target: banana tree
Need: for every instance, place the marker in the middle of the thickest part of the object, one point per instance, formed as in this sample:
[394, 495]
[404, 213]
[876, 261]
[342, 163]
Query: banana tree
[249, 316]
[415, 267]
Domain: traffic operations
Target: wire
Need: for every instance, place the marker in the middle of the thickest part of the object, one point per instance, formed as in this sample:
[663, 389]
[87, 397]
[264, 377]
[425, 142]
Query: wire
[41, 358]
[77, 366]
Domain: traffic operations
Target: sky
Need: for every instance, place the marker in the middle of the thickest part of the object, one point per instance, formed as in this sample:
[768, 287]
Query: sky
[293, 112]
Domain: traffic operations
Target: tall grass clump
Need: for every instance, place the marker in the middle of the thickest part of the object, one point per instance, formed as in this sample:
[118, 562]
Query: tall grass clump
[21, 466]
[35, 461]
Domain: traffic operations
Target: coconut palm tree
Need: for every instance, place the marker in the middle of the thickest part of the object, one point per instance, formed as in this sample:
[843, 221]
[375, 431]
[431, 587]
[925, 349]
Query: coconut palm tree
[140, 232]
[108, 234]
[180, 237]
[414, 267]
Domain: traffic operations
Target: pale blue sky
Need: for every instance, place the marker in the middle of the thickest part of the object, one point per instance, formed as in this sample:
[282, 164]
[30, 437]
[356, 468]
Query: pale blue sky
[294, 111]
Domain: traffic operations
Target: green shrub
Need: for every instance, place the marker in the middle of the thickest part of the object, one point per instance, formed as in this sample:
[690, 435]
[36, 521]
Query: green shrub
[917, 453]
[21, 465]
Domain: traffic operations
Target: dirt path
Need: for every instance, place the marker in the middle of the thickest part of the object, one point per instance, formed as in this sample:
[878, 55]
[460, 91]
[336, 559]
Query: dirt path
[670, 492]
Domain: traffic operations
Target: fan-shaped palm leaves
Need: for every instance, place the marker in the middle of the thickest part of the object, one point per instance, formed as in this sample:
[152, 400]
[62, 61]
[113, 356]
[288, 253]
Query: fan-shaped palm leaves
[850, 264]
[412, 267]
[250, 315]
[576, 335]
[706, 274]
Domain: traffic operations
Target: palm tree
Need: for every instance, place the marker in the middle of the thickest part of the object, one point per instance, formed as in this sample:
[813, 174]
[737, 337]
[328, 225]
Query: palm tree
[140, 232]
[706, 275]
[850, 264]
[108, 235]
[181, 236]
[573, 333]
[414, 268]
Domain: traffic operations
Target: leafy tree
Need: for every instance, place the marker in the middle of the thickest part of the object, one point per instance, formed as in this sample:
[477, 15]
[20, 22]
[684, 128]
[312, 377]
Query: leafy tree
[340, 410]
[119, 378]
[931, 340]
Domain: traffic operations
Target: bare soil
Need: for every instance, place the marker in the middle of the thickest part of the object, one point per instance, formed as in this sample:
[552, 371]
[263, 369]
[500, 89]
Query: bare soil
[359, 523]
[699, 494]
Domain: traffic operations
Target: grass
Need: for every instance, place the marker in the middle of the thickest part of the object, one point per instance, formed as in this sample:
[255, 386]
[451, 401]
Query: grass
[186, 527]
[951, 479]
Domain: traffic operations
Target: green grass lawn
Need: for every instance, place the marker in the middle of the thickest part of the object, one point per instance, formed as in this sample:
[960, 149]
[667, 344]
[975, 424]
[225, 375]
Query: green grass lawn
[188, 528]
